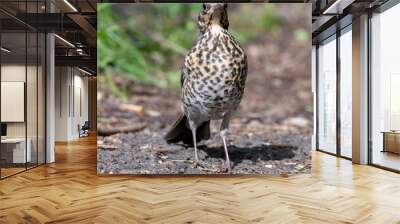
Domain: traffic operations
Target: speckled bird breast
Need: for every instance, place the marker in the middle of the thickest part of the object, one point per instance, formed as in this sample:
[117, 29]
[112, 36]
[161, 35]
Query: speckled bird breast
[213, 76]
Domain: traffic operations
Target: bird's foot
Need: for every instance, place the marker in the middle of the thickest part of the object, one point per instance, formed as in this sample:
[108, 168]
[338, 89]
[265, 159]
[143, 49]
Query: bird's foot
[228, 168]
[196, 163]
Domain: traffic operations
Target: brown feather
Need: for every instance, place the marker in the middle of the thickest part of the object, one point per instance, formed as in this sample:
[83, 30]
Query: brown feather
[180, 132]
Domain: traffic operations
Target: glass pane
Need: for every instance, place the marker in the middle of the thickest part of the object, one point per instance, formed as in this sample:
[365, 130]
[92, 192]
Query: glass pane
[327, 96]
[41, 99]
[23, 90]
[31, 88]
[13, 86]
[346, 94]
[31, 97]
[386, 89]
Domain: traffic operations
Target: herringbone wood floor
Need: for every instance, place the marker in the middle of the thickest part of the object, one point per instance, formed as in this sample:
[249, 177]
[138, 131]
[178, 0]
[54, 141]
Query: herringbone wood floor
[70, 191]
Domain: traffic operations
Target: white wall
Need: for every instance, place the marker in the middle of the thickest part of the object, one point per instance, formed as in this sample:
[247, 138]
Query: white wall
[71, 94]
[61, 103]
[80, 110]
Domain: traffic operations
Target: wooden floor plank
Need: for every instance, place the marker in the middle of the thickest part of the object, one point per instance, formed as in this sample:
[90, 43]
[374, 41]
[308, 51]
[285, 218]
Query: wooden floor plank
[70, 191]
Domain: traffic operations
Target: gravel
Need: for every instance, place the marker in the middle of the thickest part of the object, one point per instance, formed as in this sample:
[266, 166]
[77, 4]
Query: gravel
[147, 153]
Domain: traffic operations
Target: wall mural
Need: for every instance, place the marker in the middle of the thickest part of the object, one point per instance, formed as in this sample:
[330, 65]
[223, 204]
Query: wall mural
[209, 88]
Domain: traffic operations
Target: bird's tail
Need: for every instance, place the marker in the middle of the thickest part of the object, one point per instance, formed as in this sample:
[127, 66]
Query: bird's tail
[181, 132]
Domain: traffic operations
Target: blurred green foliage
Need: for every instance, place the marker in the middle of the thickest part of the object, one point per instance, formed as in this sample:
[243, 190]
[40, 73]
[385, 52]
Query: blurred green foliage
[148, 43]
[301, 35]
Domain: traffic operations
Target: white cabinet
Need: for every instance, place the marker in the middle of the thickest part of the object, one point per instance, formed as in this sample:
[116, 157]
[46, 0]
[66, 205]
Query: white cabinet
[18, 149]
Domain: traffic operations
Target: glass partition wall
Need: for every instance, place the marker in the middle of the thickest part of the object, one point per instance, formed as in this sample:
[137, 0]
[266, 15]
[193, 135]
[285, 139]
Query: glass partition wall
[385, 89]
[334, 88]
[22, 90]
[13, 88]
[327, 95]
[345, 61]
[334, 94]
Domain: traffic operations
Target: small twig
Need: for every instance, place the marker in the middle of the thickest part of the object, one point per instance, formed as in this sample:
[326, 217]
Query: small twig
[164, 150]
[177, 160]
[108, 147]
[122, 129]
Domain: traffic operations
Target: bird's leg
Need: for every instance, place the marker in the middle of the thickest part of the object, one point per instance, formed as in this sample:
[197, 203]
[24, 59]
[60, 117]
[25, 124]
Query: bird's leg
[193, 128]
[223, 132]
[223, 136]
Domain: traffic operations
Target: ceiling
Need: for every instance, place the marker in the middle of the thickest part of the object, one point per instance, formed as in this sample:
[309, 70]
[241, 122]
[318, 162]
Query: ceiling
[75, 22]
[329, 15]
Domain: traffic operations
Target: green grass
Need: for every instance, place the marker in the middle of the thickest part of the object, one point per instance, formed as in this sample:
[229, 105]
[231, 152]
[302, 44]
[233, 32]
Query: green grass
[149, 46]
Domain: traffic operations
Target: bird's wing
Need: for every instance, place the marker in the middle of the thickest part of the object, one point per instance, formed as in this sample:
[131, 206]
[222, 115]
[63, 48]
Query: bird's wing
[184, 74]
[187, 66]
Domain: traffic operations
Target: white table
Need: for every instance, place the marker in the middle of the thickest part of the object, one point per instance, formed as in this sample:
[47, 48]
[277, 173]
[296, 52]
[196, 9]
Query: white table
[19, 154]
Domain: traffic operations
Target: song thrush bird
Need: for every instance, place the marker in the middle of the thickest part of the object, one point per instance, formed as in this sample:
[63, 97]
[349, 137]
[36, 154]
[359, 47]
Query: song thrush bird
[212, 80]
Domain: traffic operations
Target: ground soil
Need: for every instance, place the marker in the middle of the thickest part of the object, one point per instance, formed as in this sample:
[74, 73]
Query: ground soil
[271, 133]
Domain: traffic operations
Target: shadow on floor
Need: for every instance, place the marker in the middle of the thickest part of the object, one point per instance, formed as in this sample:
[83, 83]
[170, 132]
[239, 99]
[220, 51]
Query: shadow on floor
[255, 153]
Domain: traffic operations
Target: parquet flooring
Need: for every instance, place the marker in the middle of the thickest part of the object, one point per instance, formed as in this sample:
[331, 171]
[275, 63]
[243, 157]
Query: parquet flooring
[70, 191]
[10, 171]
